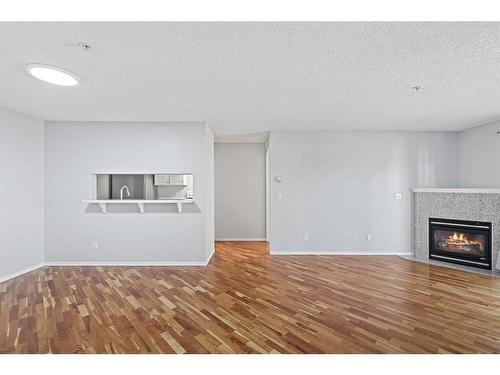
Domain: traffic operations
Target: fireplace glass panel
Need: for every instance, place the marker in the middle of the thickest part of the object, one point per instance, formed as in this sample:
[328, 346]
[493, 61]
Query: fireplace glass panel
[460, 242]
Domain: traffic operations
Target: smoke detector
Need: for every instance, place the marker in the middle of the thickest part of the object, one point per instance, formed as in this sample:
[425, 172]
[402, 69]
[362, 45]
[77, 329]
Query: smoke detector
[84, 46]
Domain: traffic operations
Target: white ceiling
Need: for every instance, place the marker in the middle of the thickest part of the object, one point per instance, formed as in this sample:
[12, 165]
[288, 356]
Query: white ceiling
[255, 77]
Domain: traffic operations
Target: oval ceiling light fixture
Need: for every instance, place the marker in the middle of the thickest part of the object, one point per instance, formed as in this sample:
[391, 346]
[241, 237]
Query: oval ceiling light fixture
[53, 74]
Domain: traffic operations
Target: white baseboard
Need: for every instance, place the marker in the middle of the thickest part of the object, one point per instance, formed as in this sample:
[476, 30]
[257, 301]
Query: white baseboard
[210, 257]
[301, 252]
[241, 239]
[107, 264]
[126, 264]
[21, 272]
[181, 264]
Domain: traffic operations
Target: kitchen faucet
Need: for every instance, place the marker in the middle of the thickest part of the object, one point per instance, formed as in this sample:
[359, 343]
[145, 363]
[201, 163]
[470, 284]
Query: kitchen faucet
[127, 191]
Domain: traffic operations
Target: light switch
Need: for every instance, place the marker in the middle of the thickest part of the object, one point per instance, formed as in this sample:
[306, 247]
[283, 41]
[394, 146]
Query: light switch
[280, 196]
[397, 196]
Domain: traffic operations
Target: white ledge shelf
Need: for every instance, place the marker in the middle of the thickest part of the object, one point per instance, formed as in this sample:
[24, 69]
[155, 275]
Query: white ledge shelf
[457, 190]
[103, 203]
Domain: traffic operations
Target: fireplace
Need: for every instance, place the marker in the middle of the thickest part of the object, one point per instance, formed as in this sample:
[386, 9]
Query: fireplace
[459, 241]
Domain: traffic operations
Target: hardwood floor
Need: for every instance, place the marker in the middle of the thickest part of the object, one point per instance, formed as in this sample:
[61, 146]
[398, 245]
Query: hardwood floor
[246, 301]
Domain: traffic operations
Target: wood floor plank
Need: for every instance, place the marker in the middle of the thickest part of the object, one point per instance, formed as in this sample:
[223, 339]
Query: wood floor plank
[246, 301]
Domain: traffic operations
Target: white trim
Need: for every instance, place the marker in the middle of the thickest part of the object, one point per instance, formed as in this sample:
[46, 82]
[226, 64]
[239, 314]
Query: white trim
[210, 257]
[21, 272]
[457, 190]
[311, 252]
[126, 264]
[107, 264]
[133, 263]
[268, 201]
[241, 239]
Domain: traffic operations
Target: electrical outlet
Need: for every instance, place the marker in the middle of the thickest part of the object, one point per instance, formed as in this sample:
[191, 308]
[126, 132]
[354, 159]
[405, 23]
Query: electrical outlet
[280, 196]
[397, 196]
[354, 238]
[369, 237]
[306, 236]
[95, 246]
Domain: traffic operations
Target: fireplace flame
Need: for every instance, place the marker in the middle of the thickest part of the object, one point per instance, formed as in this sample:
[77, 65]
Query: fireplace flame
[459, 239]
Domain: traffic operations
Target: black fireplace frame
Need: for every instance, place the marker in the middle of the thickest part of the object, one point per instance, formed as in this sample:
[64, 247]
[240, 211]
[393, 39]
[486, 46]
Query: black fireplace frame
[450, 224]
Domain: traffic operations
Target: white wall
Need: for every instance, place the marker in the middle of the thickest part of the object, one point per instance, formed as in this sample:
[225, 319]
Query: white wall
[335, 184]
[21, 193]
[240, 191]
[76, 150]
[479, 157]
[339, 184]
